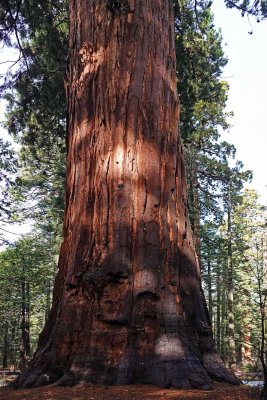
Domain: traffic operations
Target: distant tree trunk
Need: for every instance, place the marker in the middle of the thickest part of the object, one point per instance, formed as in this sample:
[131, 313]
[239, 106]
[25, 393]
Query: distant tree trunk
[25, 348]
[246, 345]
[5, 348]
[218, 311]
[224, 325]
[246, 355]
[128, 305]
[261, 277]
[48, 300]
[209, 283]
[195, 214]
[12, 360]
[230, 287]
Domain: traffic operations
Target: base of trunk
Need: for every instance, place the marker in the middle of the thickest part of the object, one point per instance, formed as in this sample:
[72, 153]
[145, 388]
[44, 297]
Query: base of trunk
[113, 341]
[180, 374]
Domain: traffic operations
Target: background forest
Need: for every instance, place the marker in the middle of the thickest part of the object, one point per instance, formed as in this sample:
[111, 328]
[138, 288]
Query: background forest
[228, 221]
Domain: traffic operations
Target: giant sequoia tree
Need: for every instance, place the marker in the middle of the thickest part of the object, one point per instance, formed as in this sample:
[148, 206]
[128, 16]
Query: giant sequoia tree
[128, 305]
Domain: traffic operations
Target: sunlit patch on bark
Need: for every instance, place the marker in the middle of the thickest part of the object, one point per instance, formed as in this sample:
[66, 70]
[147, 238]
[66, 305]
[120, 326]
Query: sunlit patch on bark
[169, 346]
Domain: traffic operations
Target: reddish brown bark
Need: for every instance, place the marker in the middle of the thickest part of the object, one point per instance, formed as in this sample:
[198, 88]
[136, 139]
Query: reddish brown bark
[127, 305]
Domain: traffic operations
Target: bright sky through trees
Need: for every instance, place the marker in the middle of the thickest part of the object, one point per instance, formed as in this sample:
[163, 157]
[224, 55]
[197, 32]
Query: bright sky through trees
[246, 74]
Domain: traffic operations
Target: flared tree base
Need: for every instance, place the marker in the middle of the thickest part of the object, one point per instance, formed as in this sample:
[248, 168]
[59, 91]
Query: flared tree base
[167, 376]
[181, 374]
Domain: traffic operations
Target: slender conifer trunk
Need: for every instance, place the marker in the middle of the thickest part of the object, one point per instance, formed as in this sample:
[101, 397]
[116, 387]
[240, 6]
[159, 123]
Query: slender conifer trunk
[230, 287]
[5, 346]
[210, 300]
[25, 347]
[195, 214]
[218, 311]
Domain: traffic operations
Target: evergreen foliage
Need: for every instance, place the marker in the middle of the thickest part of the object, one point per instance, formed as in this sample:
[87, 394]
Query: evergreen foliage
[36, 112]
[8, 167]
[27, 271]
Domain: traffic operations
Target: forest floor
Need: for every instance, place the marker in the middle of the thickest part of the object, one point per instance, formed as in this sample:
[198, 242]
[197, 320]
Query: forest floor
[132, 392]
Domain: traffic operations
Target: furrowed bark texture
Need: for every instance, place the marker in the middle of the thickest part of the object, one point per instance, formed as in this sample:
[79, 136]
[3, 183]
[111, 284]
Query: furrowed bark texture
[128, 306]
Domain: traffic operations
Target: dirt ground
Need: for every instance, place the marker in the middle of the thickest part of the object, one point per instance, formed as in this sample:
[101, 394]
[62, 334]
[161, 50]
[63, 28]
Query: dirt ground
[133, 392]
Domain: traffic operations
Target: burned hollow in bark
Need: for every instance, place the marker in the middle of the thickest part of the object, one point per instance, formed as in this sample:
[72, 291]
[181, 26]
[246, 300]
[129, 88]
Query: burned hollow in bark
[128, 305]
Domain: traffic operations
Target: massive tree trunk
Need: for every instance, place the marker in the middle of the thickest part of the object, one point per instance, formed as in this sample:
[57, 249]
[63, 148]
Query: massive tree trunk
[128, 305]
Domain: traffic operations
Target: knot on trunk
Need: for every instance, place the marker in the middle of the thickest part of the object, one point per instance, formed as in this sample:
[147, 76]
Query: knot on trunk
[98, 278]
[95, 278]
[118, 6]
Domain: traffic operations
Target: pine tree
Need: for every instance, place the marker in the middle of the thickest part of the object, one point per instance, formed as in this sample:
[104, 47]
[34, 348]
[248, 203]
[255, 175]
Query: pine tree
[203, 96]
[27, 271]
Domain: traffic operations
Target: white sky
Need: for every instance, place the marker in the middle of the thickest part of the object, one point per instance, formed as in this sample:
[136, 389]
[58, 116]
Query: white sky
[246, 73]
